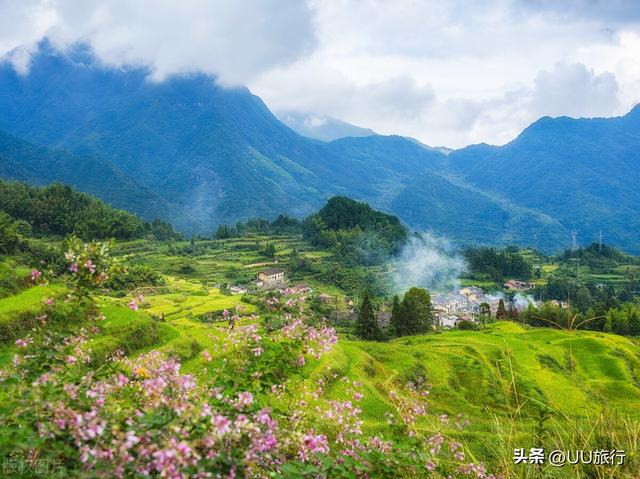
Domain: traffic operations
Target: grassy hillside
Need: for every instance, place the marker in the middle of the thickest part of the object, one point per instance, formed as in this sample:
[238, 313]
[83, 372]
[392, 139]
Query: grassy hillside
[495, 389]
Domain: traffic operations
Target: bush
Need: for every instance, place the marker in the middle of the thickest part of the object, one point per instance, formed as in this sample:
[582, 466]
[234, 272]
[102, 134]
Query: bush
[465, 325]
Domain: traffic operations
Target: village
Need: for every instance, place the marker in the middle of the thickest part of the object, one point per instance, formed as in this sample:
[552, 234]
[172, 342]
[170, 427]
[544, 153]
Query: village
[468, 303]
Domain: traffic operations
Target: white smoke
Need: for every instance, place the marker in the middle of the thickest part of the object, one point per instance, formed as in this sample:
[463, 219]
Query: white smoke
[522, 301]
[428, 262]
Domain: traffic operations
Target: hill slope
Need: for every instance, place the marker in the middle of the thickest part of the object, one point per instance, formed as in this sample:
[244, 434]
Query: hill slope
[38, 165]
[215, 154]
[582, 172]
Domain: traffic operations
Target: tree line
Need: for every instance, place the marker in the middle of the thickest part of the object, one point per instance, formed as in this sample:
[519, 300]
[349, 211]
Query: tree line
[411, 315]
[498, 264]
[59, 210]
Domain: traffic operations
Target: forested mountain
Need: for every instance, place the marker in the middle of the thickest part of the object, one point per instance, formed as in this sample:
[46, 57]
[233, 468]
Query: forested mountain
[38, 165]
[583, 173]
[60, 210]
[190, 151]
[215, 154]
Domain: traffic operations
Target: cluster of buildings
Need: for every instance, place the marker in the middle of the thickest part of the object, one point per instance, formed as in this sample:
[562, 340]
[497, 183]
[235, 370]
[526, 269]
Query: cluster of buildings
[465, 305]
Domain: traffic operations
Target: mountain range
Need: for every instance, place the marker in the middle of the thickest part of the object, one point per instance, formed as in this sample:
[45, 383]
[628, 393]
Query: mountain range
[196, 154]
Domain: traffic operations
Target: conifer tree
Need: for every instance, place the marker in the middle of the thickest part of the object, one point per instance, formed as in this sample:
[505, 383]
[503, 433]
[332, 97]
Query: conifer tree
[394, 323]
[367, 325]
[501, 313]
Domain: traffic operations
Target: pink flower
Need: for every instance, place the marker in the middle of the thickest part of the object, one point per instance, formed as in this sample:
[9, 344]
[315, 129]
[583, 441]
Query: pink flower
[21, 343]
[133, 305]
[206, 355]
[90, 266]
[221, 423]
[257, 351]
[244, 399]
[73, 268]
[314, 444]
[225, 313]
[301, 361]
[35, 274]
[70, 359]
[49, 302]
[357, 396]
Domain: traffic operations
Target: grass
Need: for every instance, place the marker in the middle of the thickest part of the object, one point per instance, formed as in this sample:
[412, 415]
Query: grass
[503, 376]
[191, 299]
[30, 299]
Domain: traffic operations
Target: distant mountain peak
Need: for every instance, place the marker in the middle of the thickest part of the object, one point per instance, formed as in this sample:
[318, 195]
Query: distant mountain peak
[320, 127]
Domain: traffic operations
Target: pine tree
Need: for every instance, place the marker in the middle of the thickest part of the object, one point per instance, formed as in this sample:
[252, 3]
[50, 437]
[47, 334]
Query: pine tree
[367, 325]
[394, 323]
[501, 314]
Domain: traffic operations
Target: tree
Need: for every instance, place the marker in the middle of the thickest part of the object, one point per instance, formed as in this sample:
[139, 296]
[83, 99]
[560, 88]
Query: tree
[501, 314]
[584, 299]
[269, 251]
[367, 327]
[485, 313]
[9, 237]
[415, 316]
[394, 322]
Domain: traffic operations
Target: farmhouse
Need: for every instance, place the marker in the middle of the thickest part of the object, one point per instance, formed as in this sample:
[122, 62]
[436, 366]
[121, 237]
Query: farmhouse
[324, 297]
[301, 288]
[515, 285]
[270, 277]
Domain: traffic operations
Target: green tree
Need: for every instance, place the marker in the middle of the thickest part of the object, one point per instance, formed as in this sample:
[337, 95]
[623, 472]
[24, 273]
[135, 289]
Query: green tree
[394, 322]
[485, 313]
[501, 313]
[9, 237]
[367, 327]
[584, 300]
[416, 315]
[269, 251]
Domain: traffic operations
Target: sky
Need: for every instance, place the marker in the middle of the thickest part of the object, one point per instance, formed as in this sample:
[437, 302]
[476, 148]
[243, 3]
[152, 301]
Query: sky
[448, 73]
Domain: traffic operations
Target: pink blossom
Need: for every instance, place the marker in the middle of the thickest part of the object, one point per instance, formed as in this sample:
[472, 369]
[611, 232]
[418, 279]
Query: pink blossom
[133, 305]
[73, 267]
[206, 355]
[70, 359]
[313, 444]
[244, 399]
[35, 274]
[49, 302]
[21, 343]
[301, 361]
[221, 423]
[257, 351]
[90, 266]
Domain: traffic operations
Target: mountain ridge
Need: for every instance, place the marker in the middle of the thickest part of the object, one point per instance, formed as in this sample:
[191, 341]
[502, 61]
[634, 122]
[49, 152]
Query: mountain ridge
[205, 155]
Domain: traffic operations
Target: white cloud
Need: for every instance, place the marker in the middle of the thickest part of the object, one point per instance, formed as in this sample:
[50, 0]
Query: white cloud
[234, 40]
[574, 90]
[447, 73]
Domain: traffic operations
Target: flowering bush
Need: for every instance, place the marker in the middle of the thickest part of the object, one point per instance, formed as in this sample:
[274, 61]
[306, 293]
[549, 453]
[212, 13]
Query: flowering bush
[90, 265]
[253, 412]
[142, 416]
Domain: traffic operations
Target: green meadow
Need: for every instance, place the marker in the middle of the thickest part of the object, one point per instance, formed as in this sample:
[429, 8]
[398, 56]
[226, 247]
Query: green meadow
[516, 386]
